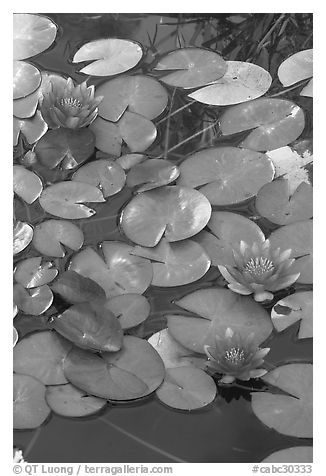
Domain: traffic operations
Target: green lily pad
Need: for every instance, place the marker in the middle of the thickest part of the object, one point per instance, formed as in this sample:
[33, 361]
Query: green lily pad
[152, 173]
[131, 309]
[41, 356]
[35, 301]
[24, 108]
[22, 236]
[191, 67]
[308, 90]
[289, 415]
[27, 185]
[120, 273]
[30, 407]
[33, 128]
[242, 82]
[105, 174]
[219, 309]
[140, 94]
[34, 272]
[75, 288]
[50, 235]
[293, 308]
[26, 79]
[32, 35]
[174, 212]
[297, 67]
[133, 372]
[90, 326]
[112, 56]
[68, 147]
[186, 388]
[299, 237]
[69, 401]
[296, 454]
[65, 199]
[226, 175]
[129, 160]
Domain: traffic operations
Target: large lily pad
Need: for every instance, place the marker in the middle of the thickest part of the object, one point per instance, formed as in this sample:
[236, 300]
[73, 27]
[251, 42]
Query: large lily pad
[26, 79]
[75, 288]
[140, 94]
[120, 273]
[30, 407]
[22, 236]
[32, 35]
[293, 308]
[27, 185]
[133, 372]
[35, 301]
[289, 415]
[112, 56]
[226, 175]
[152, 173]
[242, 82]
[33, 128]
[296, 454]
[33, 272]
[297, 67]
[41, 356]
[174, 212]
[104, 173]
[50, 235]
[131, 309]
[69, 401]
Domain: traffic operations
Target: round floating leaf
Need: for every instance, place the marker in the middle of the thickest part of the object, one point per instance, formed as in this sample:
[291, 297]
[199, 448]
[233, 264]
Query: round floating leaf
[75, 288]
[26, 79]
[65, 199]
[90, 326]
[308, 90]
[33, 272]
[275, 202]
[129, 160]
[27, 185]
[33, 128]
[26, 107]
[32, 34]
[69, 401]
[186, 388]
[34, 302]
[112, 55]
[22, 236]
[130, 309]
[192, 67]
[296, 68]
[289, 415]
[41, 356]
[152, 173]
[140, 94]
[226, 175]
[228, 229]
[50, 234]
[15, 336]
[220, 309]
[30, 407]
[105, 174]
[176, 264]
[120, 273]
[133, 372]
[174, 212]
[293, 308]
[296, 454]
[298, 237]
[241, 82]
[68, 147]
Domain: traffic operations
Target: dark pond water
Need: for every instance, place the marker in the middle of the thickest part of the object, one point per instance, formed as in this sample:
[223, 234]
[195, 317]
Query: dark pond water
[147, 431]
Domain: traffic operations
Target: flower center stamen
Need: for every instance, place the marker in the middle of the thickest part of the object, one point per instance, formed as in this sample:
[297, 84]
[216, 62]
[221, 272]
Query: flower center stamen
[71, 103]
[259, 266]
[235, 356]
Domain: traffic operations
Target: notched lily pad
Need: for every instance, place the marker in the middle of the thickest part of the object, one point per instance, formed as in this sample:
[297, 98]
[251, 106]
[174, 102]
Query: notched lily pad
[131, 309]
[50, 235]
[35, 301]
[293, 308]
[69, 401]
[152, 173]
[33, 128]
[75, 288]
[27, 185]
[34, 272]
[22, 236]
[104, 173]
[30, 407]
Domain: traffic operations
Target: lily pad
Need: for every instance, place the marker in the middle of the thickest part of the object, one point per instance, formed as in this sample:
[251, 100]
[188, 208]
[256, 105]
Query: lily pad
[32, 35]
[24, 108]
[186, 388]
[140, 94]
[191, 67]
[35, 301]
[174, 212]
[293, 308]
[68, 147]
[50, 235]
[131, 309]
[15, 336]
[129, 160]
[27, 185]
[133, 372]
[26, 79]
[152, 173]
[105, 174]
[30, 407]
[112, 56]
[275, 202]
[69, 401]
[120, 273]
[296, 454]
[41, 356]
[75, 288]
[33, 128]
[289, 415]
[218, 309]
[298, 237]
[242, 82]
[65, 199]
[22, 236]
[33, 272]
[308, 90]
[226, 175]
[297, 67]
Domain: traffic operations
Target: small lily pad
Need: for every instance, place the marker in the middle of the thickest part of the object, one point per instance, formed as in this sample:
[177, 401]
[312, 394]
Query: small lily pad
[26, 79]
[35, 301]
[69, 401]
[32, 35]
[131, 309]
[34, 272]
[297, 67]
[308, 90]
[33, 128]
[30, 407]
[104, 173]
[24, 108]
[75, 288]
[293, 308]
[22, 236]
[50, 235]
[27, 185]
[296, 454]
[152, 173]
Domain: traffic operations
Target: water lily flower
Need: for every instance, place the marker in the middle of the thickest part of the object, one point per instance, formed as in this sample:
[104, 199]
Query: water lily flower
[258, 270]
[18, 456]
[65, 105]
[236, 357]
